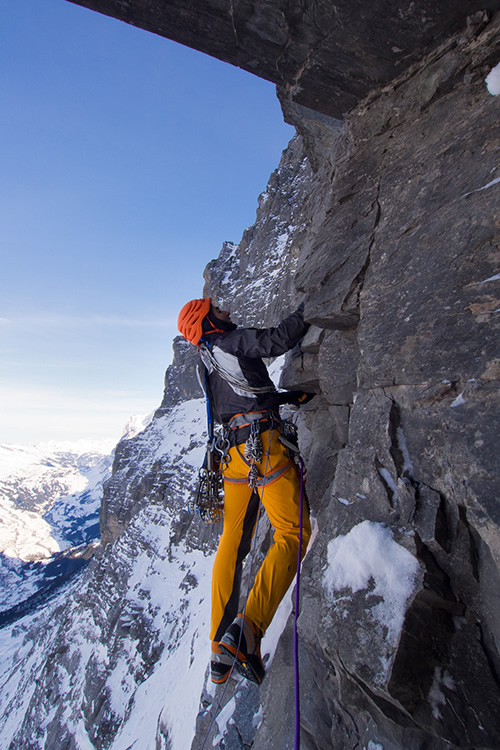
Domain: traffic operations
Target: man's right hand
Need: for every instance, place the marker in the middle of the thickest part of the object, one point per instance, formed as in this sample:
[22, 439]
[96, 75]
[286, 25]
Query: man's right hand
[296, 398]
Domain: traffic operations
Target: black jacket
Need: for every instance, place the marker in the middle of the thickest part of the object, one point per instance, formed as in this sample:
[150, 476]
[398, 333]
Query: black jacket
[240, 353]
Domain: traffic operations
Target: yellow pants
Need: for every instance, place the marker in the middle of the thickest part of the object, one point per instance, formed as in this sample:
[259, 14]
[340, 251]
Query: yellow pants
[281, 499]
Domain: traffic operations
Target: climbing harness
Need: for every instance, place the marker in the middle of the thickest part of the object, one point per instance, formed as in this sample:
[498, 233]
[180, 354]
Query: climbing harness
[253, 449]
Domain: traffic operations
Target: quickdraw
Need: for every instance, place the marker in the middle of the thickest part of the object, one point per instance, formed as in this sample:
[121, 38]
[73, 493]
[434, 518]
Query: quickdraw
[253, 454]
[209, 500]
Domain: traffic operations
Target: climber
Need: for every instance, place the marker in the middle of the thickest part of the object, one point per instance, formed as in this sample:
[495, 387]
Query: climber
[258, 470]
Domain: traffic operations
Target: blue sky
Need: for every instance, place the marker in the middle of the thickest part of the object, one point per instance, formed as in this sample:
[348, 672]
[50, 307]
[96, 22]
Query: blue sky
[127, 160]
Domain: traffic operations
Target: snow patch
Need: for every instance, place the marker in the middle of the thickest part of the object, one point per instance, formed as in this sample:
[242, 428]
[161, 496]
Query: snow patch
[223, 719]
[458, 401]
[403, 447]
[390, 483]
[437, 697]
[484, 187]
[368, 554]
[493, 81]
[496, 277]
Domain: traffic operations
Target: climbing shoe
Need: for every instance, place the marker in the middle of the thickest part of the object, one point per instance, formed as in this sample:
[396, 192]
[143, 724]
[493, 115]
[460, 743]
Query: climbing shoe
[242, 640]
[220, 665]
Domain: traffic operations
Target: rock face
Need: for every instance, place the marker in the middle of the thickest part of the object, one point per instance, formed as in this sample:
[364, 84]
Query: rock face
[407, 245]
[387, 227]
[398, 265]
[324, 56]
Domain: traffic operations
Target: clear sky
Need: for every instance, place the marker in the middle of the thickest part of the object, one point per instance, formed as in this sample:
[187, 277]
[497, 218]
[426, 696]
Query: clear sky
[126, 161]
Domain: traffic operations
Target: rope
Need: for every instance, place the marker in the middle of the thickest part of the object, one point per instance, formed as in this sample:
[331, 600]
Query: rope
[297, 603]
[208, 357]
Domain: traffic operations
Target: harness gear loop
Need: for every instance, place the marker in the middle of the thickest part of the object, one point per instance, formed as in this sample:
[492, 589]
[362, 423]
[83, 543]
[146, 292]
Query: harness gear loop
[209, 499]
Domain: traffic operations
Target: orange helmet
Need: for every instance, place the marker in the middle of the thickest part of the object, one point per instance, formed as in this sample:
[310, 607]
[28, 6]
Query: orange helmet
[189, 322]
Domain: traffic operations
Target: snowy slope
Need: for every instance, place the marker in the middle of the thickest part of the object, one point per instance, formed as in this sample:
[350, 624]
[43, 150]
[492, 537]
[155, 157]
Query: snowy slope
[50, 498]
[47, 489]
[157, 599]
[132, 646]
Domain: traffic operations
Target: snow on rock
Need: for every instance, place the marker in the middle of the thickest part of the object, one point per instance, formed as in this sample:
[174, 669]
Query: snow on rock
[493, 81]
[368, 558]
[483, 187]
[459, 401]
[437, 697]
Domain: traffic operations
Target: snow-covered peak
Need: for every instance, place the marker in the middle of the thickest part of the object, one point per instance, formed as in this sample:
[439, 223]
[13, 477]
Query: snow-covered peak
[136, 424]
[33, 459]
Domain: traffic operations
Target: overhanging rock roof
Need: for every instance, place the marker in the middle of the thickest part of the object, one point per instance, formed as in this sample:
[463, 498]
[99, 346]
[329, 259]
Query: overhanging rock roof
[325, 55]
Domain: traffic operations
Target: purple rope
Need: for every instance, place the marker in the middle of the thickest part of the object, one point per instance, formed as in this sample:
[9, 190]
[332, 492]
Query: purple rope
[295, 634]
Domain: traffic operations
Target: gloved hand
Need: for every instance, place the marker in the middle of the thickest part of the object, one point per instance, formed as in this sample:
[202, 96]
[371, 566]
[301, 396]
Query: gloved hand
[296, 398]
